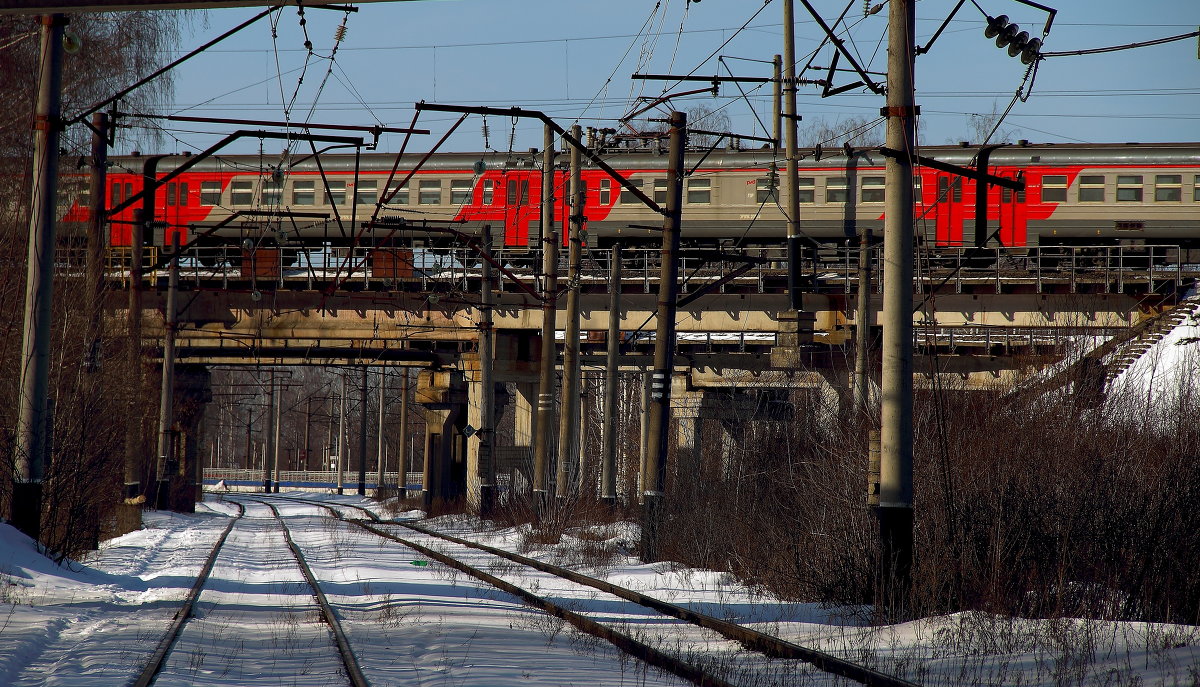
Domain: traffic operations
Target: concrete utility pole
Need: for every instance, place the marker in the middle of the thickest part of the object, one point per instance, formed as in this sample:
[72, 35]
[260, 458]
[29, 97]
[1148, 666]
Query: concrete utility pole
[862, 331]
[276, 426]
[793, 174]
[777, 100]
[545, 407]
[380, 445]
[608, 464]
[269, 439]
[166, 393]
[362, 436]
[896, 435]
[97, 239]
[32, 439]
[341, 442]
[133, 427]
[568, 422]
[249, 440]
[307, 433]
[402, 456]
[664, 344]
[487, 400]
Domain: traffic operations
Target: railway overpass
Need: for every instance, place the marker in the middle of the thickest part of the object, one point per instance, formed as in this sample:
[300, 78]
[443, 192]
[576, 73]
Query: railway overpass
[989, 320]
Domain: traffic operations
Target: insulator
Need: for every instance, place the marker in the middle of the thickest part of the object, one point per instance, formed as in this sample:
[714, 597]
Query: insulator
[1032, 51]
[339, 33]
[1018, 43]
[995, 25]
[1006, 35]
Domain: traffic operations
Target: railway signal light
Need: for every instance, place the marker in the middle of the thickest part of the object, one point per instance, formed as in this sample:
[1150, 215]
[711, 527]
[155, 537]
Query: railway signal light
[1008, 34]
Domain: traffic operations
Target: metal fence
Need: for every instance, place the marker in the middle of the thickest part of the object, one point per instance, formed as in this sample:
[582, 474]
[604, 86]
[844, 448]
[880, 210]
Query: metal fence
[828, 270]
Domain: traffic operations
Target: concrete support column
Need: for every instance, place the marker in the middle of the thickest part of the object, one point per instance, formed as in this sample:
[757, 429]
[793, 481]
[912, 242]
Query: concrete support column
[689, 454]
[443, 395]
[524, 421]
[193, 393]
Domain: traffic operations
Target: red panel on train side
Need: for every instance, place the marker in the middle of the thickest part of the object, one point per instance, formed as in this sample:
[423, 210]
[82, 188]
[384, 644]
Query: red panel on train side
[949, 210]
[522, 205]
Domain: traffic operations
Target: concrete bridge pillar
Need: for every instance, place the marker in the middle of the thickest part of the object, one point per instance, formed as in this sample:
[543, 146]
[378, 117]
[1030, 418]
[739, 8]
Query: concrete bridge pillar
[193, 393]
[443, 396]
[477, 458]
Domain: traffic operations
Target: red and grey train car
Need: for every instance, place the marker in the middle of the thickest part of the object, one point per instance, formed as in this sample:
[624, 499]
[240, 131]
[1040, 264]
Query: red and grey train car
[1075, 194]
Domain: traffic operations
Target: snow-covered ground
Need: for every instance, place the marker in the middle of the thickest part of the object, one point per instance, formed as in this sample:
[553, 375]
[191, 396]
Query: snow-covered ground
[1165, 370]
[415, 622]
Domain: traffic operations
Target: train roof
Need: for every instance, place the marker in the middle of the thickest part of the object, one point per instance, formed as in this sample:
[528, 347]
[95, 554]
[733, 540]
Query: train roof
[1017, 155]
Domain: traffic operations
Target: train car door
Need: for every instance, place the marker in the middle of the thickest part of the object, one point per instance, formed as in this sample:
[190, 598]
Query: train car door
[1012, 216]
[175, 210]
[522, 207]
[949, 231]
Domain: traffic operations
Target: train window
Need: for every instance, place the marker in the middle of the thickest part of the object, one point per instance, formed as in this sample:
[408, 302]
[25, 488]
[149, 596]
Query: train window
[516, 197]
[1196, 188]
[172, 189]
[399, 196]
[210, 193]
[872, 189]
[835, 189]
[627, 196]
[430, 192]
[1129, 188]
[1091, 188]
[115, 197]
[241, 192]
[489, 191]
[335, 194]
[605, 191]
[956, 189]
[1005, 195]
[366, 192]
[766, 189]
[1168, 188]
[807, 190]
[272, 191]
[699, 191]
[660, 191]
[304, 193]
[460, 191]
[1054, 188]
[917, 188]
[183, 194]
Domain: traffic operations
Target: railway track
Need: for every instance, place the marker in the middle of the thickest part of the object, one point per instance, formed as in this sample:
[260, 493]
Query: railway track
[750, 639]
[176, 639]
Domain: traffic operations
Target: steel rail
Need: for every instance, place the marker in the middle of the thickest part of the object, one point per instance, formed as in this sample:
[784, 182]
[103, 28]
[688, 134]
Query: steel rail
[155, 664]
[349, 660]
[754, 640]
[624, 642]
[773, 647]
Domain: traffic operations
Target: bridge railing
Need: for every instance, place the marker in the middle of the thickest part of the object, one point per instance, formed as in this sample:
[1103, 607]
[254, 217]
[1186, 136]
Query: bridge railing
[326, 479]
[826, 270]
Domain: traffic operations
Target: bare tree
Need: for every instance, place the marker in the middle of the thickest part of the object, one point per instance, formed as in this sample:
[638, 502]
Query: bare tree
[83, 476]
[989, 128]
[857, 131]
[705, 118]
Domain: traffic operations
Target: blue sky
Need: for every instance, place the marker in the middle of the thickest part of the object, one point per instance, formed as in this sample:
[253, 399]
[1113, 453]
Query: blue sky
[573, 59]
